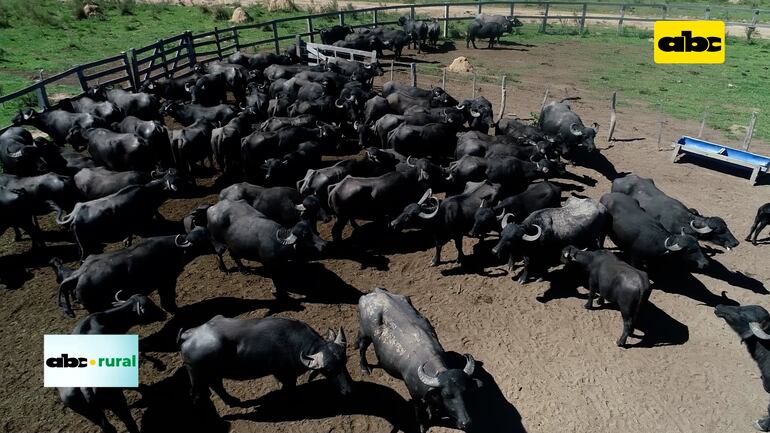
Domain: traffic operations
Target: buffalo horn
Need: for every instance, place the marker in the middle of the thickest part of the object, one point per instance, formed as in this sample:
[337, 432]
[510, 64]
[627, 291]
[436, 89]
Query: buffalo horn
[425, 196]
[285, 240]
[475, 112]
[470, 365]
[425, 378]
[184, 244]
[675, 247]
[531, 238]
[300, 207]
[758, 332]
[575, 129]
[17, 154]
[505, 221]
[702, 230]
[408, 161]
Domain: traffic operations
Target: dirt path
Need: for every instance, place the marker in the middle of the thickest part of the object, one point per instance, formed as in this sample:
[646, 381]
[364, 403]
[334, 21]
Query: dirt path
[553, 364]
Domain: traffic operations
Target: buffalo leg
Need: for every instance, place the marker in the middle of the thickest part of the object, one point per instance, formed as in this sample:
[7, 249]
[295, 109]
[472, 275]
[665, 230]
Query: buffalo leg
[17, 234]
[128, 240]
[421, 414]
[337, 228]
[628, 326]
[241, 268]
[437, 257]
[288, 383]
[89, 411]
[219, 388]
[761, 227]
[362, 343]
[167, 295]
[525, 271]
[459, 246]
[591, 292]
[119, 407]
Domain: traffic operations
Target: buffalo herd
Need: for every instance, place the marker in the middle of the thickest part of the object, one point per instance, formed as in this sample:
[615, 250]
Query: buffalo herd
[296, 145]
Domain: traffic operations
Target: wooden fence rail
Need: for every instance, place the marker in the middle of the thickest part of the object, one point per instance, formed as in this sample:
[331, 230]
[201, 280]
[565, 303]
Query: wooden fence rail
[176, 56]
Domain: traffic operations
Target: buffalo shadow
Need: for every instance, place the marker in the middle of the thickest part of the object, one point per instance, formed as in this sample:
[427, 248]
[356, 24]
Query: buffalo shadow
[14, 268]
[192, 315]
[316, 283]
[487, 406]
[684, 283]
[375, 236]
[168, 407]
[598, 162]
[319, 399]
[477, 262]
[717, 270]
[659, 328]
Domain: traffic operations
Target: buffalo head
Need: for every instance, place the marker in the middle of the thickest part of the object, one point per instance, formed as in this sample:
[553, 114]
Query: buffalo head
[426, 208]
[146, 310]
[330, 360]
[485, 220]
[687, 248]
[748, 321]
[448, 388]
[714, 230]
[513, 235]
[25, 116]
[585, 135]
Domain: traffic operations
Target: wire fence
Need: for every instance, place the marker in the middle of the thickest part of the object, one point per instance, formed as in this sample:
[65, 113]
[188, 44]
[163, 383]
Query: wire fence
[176, 56]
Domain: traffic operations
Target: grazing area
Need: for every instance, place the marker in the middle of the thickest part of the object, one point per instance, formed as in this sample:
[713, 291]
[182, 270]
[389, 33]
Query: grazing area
[283, 199]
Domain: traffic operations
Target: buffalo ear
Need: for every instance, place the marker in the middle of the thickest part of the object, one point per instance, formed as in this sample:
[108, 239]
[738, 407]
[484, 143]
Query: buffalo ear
[479, 384]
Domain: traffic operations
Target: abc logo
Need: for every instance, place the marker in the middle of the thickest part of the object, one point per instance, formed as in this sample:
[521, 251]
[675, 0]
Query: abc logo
[64, 361]
[689, 42]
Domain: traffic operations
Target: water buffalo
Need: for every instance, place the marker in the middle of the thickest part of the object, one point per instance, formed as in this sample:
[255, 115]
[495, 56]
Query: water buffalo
[645, 240]
[752, 324]
[141, 105]
[540, 195]
[115, 150]
[19, 155]
[57, 123]
[105, 110]
[559, 121]
[170, 89]
[672, 214]
[579, 222]
[760, 222]
[153, 132]
[16, 212]
[334, 34]
[93, 183]
[192, 145]
[407, 348]
[243, 349]
[187, 114]
[615, 281]
[154, 263]
[281, 204]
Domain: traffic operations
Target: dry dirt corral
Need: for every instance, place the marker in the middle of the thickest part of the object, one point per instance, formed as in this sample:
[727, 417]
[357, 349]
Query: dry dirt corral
[554, 362]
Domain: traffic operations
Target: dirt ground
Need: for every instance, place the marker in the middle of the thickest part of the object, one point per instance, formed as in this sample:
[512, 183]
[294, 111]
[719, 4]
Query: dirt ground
[548, 364]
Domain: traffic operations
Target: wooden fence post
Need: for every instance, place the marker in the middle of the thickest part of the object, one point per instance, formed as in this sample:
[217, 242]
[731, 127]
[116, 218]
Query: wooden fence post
[275, 38]
[620, 20]
[545, 97]
[392, 67]
[162, 50]
[236, 41]
[375, 18]
[512, 5]
[480, 3]
[502, 99]
[190, 49]
[750, 131]
[413, 73]
[135, 69]
[446, 20]
[707, 16]
[545, 18]
[342, 18]
[702, 123]
[664, 10]
[660, 128]
[42, 96]
[613, 117]
[218, 42]
[310, 29]
[298, 47]
[583, 18]
[474, 86]
[443, 78]
[411, 12]
[82, 80]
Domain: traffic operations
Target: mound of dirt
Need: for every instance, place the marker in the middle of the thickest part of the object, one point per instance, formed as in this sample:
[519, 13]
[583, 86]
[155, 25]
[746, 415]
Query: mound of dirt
[281, 5]
[461, 65]
[241, 16]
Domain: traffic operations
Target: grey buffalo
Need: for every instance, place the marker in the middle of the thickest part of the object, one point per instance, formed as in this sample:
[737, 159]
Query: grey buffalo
[559, 121]
[408, 348]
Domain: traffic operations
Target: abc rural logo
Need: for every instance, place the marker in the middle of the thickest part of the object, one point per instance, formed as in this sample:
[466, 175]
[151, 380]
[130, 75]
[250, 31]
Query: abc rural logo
[692, 42]
[66, 361]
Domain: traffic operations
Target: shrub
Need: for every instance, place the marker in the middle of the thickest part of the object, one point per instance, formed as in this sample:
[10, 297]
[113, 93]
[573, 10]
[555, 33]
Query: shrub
[220, 13]
[5, 17]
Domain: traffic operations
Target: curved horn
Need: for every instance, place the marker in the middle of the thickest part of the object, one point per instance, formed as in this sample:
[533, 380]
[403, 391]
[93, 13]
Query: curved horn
[340, 338]
[339, 104]
[532, 238]
[470, 365]
[429, 215]
[116, 296]
[184, 244]
[424, 378]
[460, 106]
[675, 247]
[408, 158]
[17, 154]
[350, 98]
[475, 113]
[425, 196]
[575, 130]
[504, 222]
[758, 332]
[300, 207]
[702, 230]
[483, 202]
[288, 240]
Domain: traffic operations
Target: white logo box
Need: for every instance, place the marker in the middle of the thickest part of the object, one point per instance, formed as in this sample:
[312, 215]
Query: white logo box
[109, 361]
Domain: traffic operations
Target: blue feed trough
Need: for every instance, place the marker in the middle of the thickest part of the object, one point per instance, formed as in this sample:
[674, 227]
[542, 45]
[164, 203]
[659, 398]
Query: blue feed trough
[757, 163]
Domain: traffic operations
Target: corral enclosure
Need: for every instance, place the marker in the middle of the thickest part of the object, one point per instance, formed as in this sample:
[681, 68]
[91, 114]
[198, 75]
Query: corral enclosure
[555, 364]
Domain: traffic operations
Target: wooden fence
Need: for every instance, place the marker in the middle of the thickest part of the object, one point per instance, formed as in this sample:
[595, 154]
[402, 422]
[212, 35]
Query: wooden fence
[176, 56]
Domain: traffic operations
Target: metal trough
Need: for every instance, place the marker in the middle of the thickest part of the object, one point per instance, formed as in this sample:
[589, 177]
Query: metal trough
[757, 163]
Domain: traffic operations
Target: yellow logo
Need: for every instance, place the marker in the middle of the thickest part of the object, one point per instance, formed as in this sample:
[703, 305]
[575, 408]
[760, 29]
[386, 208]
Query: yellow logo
[689, 42]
